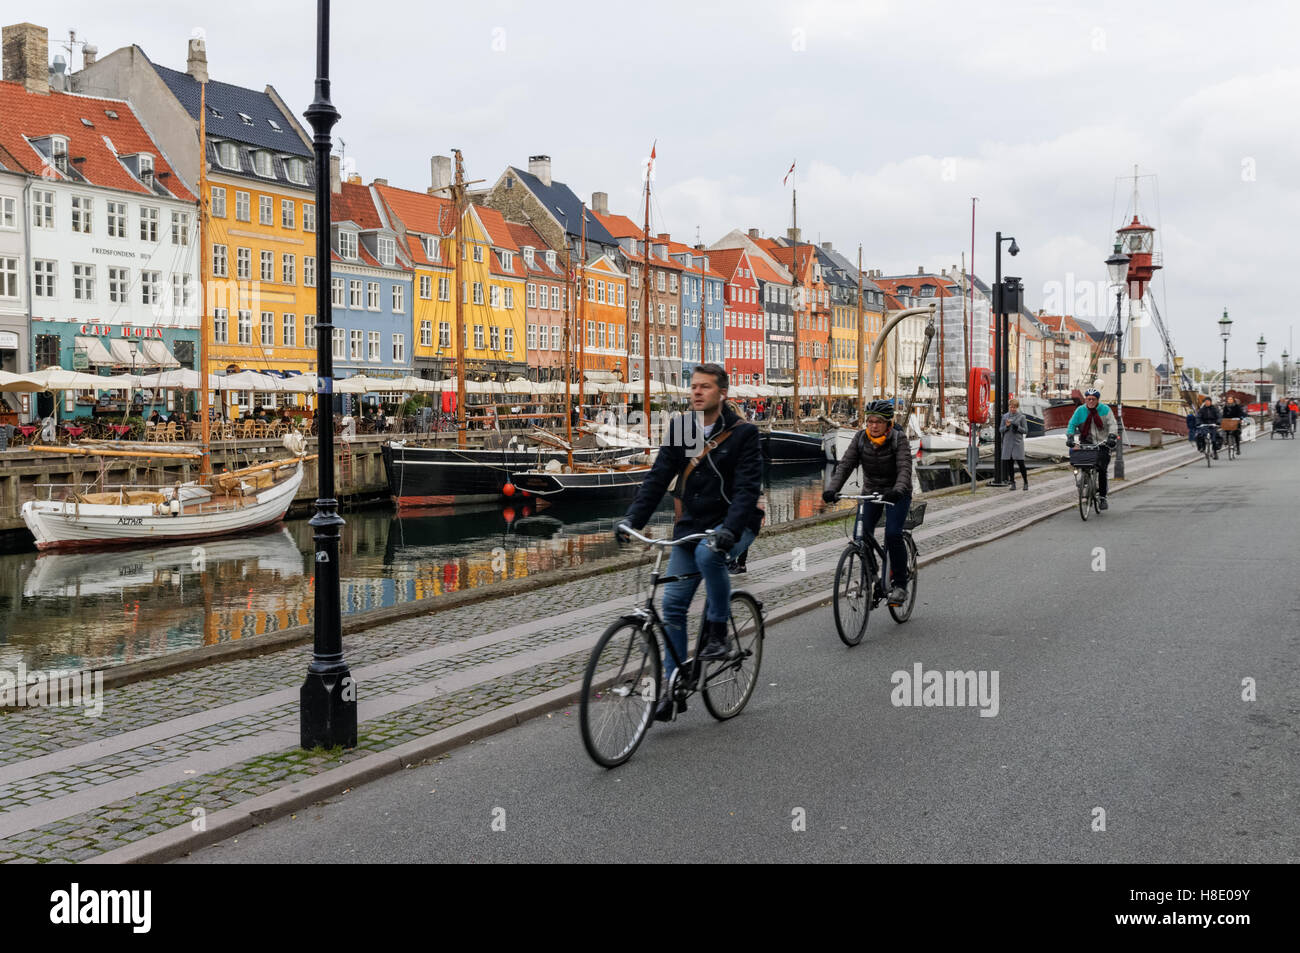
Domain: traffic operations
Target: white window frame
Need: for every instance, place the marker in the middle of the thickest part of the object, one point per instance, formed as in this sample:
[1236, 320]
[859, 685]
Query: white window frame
[309, 271]
[8, 213]
[399, 299]
[266, 265]
[399, 348]
[83, 281]
[372, 296]
[309, 331]
[148, 223]
[119, 281]
[115, 218]
[267, 329]
[289, 329]
[221, 326]
[244, 264]
[308, 217]
[426, 333]
[243, 206]
[10, 286]
[387, 251]
[245, 327]
[288, 268]
[265, 210]
[149, 284]
[374, 341]
[356, 294]
[347, 244]
[220, 261]
[287, 214]
[357, 345]
[444, 288]
[218, 202]
[180, 227]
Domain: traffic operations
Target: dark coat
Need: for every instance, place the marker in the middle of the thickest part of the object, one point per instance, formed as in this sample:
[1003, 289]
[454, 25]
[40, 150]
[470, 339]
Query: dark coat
[887, 467]
[1233, 412]
[722, 489]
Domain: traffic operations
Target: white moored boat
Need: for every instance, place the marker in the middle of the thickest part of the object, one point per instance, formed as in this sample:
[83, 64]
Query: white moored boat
[239, 501]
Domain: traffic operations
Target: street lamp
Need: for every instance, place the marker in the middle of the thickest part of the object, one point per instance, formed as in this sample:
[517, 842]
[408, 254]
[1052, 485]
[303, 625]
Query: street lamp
[328, 698]
[1261, 345]
[1285, 358]
[1001, 373]
[1117, 266]
[1225, 329]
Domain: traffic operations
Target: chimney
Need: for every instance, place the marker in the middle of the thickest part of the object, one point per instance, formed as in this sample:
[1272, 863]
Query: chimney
[600, 202]
[792, 234]
[89, 53]
[196, 64]
[379, 182]
[662, 236]
[59, 75]
[540, 166]
[827, 246]
[354, 179]
[440, 173]
[336, 180]
[755, 233]
[26, 54]
[920, 269]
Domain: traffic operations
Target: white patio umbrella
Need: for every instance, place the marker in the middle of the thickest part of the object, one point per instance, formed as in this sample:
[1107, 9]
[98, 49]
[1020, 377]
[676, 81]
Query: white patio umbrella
[55, 378]
[409, 384]
[182, 379]
[484, 387]
[359, 384]
[520, 385]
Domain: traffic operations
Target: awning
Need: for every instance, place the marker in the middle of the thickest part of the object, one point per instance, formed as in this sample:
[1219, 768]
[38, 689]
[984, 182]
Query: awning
[96, 354]
[124, 353]
[607, 376]
[157, 355]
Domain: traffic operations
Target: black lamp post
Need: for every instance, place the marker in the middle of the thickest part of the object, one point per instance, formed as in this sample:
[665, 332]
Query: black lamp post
[1117, 267]
[328, 698]
[1285, 358]
[1262, 346]
[1001, 373]
[1225, 329]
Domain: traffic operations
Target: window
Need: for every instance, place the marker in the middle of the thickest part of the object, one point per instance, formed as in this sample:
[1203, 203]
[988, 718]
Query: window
[432, 248]
[672, 283]
[530, 296]
[494, 337]
[426, 287]
[556, 337]
[242, 208]
[118, 280]
[339, 343]
[268, 265]
[82, 214]
[494, 296]
[555, 299]
[220, 261]
[600, 334]
[372, 346]
[245, 327]
[309, 271]
[444, 334]
[262, 163]
[372, 295]
[220, 326]
[543, 297]
[337, 292]
[348, 244]
[478, 336]
[293, 168]
[510, 340]
[530, 337]
[636, 310]
[43, 209]
[117, 220]
[478, 253]
[286, 213]
[309, 330]
[149, 282]
[387, 250]
[83, 282]
[288, 330]
[308, 218]
[148, 224]
[426, 334]
[510, 297]
[8, 212]
[8, 277]
[244, 263]
[444, 289]
[180, 228]
[218, 202]
[399, 299]
[636, 344]
[358, 343]
[399, 348]
[662, 311]
[264, 209]
[478, 292]
[672, 315]
[288, 269]
[356, 290]
[228, 155]
[268, 329]
[620, 296]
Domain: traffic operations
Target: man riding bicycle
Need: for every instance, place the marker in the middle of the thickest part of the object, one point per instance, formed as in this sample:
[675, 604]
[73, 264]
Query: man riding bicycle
[1234, 411]
[1095, 424]
[885, 457]
[714, 462]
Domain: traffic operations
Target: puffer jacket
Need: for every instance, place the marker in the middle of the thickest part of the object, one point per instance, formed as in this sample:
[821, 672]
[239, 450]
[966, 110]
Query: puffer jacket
[884, 467]
[724, 488]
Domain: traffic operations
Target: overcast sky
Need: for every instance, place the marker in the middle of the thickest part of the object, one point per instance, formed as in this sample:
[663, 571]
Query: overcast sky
[898, 114]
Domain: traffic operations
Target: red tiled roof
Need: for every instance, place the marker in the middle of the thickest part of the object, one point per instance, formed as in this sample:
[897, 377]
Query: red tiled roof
[33, 115]
[527, 235]
[785, 255]
[415, 248]
[765, 272]
[620, 226]
[944, 286]
[496, 227]
[678, 248]
[891, 301]
[419, 211]
[355, 204]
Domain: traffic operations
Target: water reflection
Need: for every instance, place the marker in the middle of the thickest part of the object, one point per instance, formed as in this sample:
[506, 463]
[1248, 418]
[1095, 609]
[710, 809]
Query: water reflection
[90, 609]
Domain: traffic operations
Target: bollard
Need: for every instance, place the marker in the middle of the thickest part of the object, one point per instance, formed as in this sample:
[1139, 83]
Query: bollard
[1157, 437]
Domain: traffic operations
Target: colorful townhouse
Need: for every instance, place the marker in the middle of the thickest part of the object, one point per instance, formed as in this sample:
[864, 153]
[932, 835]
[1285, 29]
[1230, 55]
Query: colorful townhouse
[776, 296]
[15, 346]
[493, 286]
[844, 333]
[424, 222]
[812, 310]
[371, 288]
[260, 248]
[702, 305]
[544, 316]
[743, 316]
[109, 230]
[602, 306]
[558, 215]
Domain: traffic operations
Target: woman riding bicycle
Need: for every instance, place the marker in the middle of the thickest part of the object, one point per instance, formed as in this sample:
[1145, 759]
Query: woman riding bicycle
[1234, 411]
[1095, 424]
[885, 456]
[714, 461]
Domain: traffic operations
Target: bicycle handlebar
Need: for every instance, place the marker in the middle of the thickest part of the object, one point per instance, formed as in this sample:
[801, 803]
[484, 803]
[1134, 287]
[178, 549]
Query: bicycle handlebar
[662, 542]
[869, 497]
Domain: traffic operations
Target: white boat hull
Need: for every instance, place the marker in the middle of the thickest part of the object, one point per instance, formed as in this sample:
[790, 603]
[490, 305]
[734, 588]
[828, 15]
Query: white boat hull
[64, 525]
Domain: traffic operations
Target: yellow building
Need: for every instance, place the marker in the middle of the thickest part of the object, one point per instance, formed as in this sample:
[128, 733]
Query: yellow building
[493, 282]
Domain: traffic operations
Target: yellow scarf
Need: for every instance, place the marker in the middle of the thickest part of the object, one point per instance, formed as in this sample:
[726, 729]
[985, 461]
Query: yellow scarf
[879, 441]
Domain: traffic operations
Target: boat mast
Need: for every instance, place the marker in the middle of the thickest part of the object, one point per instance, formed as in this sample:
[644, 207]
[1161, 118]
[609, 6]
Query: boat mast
[568, 363]
[794, 284]
[582, 311]
[645, 307]
[458, 194]
[941, 323]
[205, 431]
[861, 341]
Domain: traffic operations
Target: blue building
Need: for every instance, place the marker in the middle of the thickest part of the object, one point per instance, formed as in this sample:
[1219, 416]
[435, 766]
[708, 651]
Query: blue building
[702, 300]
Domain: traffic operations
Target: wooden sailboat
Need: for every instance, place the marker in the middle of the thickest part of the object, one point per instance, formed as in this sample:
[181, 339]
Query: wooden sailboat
[234, 502]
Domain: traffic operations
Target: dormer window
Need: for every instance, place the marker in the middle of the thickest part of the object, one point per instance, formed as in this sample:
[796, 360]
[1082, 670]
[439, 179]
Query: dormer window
[146, 165]
[529, 256]
[59, 153]
[508, 260]
[550, 258]
[227, 155]
[387, 250]
[432, 248]
[348, 245]
[293, 168]
[262, 163]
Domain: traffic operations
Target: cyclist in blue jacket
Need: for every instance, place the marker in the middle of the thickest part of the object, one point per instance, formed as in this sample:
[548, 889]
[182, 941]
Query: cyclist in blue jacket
[1095, 424]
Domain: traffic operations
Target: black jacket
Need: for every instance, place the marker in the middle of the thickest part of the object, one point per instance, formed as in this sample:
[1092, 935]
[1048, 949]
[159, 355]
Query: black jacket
[1208, 414]
[1233, 412]
[887, 467]
[724, 488]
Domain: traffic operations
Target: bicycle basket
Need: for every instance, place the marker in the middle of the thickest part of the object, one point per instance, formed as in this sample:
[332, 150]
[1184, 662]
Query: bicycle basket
[1230, 424]
[1083, 458]
[915, 515]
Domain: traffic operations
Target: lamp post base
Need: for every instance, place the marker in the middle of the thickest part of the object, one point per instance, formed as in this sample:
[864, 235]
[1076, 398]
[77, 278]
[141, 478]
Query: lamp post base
[328, 706]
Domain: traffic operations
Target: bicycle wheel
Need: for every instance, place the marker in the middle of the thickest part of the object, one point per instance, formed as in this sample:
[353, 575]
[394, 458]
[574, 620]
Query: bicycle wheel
[904, 612]
[619, 690]
[1209, 450]
[1232, 447]
[852, 599]
[1085, 496]
[729, 683]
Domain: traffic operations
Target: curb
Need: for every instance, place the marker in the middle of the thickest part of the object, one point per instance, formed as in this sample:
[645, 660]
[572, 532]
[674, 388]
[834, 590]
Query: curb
[232, 821]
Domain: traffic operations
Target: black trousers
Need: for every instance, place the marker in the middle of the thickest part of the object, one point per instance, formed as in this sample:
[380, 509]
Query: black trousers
[1011, 470]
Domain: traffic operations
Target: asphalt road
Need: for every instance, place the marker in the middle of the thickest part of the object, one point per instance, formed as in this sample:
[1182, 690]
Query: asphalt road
[1118, 690]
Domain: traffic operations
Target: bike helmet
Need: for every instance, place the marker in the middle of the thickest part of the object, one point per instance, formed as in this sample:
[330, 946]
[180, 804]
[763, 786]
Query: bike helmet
[1092, 392]
[879, 408]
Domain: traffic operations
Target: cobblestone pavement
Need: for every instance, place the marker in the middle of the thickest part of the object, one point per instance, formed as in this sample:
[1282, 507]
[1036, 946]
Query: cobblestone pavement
[168, 749]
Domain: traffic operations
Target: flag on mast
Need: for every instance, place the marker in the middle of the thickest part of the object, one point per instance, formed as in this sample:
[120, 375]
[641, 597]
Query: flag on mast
[788, 174]
[650, 166]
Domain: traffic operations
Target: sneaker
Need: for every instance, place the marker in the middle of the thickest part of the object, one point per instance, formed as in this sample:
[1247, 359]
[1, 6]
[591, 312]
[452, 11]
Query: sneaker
[1012, 487]
[1102, 504]
[1025, 488]
[897, 595]
[716, 642]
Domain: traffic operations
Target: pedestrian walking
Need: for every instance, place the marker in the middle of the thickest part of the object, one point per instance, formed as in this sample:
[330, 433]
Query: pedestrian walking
[1014, 427]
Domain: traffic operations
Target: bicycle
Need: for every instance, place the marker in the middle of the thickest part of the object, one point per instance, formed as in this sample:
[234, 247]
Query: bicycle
[1232, 438]
[1209, 436]
[1084, 461]
[624, 676]
[862, 574]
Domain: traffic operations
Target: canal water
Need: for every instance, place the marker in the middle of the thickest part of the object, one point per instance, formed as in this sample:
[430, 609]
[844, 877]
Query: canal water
[88, 610]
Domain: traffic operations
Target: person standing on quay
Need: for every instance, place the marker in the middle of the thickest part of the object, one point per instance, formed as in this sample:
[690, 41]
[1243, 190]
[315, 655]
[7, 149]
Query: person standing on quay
[1014, 427]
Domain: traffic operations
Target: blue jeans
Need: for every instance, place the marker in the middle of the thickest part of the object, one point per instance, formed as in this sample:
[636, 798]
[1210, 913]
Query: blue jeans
[895, 516]
[712, 568]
